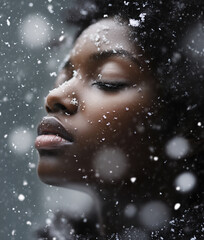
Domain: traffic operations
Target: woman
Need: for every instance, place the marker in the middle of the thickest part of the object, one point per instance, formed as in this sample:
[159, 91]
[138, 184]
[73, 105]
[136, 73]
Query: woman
[112, 115]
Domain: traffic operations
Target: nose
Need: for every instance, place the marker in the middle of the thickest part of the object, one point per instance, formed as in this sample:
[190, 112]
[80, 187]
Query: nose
[62, 99]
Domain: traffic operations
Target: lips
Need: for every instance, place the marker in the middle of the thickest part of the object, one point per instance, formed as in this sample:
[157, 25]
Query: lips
[52, 134]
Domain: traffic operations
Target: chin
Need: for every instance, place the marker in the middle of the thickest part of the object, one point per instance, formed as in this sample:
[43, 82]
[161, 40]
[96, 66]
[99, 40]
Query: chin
[53, 173]
[48, 173]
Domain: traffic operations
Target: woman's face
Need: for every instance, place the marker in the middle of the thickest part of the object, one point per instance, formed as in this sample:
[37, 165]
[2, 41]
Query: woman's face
[94, 130]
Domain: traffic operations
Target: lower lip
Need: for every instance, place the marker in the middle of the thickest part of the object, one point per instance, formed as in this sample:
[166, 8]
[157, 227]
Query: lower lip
[50, 142]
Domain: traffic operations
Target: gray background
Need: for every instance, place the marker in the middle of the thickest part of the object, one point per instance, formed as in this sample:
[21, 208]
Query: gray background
[27, 73]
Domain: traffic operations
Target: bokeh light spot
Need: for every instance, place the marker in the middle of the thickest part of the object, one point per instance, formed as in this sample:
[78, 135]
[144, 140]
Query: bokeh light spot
[110, 164]
[185, 182]
[177, 147]
[35, 31]
[154, 215]
[21, 140]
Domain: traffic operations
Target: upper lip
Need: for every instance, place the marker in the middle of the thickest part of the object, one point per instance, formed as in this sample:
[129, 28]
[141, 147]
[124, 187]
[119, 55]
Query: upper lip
[51, 125]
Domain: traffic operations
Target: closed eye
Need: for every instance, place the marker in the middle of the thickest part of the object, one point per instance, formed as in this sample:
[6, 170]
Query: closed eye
[110, 86]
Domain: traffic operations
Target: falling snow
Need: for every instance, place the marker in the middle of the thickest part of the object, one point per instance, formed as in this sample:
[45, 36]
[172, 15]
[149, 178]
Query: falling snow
[35, 40]
[8, 22]
[134, 23]
[177, 206]
[133, 179]
[50, 8]
[21, 197]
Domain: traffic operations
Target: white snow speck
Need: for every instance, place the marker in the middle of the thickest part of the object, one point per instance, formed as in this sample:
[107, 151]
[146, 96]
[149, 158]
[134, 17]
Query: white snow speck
[193, 238]
[61, 38]
[133, 179]
[199, 124]
[156, 158]
[25, 183]
[8, 22]
[74, 101]
[21, 197]
[134, 22]
[53, 74]
[7, 44]
[75, 73]
[50, 8]
[178, 188]
[31, 165]
[177, 206]
[29, 223]
[142, 16]
[126, 3]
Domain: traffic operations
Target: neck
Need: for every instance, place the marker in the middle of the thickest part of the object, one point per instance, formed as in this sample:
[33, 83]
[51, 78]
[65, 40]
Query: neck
[116, 209]
[118, 205]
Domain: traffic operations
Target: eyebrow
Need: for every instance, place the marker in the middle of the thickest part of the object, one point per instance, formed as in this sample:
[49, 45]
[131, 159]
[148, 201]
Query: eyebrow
[119, 52]
[107, 54]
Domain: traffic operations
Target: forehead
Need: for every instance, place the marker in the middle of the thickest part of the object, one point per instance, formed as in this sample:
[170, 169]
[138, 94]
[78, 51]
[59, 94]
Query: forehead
[106, 34]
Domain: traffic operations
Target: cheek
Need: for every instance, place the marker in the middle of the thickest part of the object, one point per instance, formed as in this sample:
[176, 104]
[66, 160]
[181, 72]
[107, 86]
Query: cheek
[123, 105]
[117, 114]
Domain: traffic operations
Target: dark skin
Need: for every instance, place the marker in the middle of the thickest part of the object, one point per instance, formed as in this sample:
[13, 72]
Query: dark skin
[102, 97]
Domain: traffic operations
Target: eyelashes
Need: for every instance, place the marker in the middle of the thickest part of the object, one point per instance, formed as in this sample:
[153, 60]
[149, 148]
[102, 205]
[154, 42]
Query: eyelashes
[110, 86]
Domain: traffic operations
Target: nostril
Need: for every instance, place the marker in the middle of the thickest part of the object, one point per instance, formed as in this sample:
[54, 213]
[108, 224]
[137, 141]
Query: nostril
[57, 107]
[48, 109]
